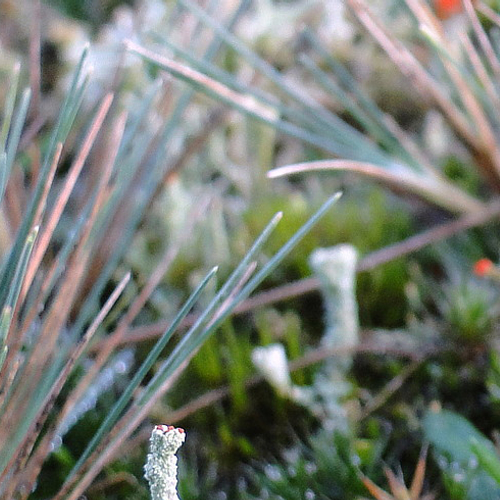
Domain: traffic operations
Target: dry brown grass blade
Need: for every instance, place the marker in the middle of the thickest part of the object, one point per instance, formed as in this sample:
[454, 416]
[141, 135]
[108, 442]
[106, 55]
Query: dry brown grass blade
[242, 101]
[33, 264]
[309, 359]
[316, 356]
[109, 345]
[42, 356]
[69, 289]
[69, 184]
[31, 469]
[111, 236]
[62, 304]
[43, 351]
[479, 68]
[440, 193]
[485, 135]
[115, 440]
[374, 490]
[417, 483]
[115, 141]
[114, 144]
[396, 485]
[98, 457]
[412, 69]
[116, 136]
[480, 137]
[390, 388]
[15, 335]
[132, 418]
[487, 11]
[309, 285]
[484, 41]
[14, 200]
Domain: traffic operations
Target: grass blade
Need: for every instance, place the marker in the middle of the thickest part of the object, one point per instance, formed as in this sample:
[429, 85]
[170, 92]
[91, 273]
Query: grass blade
[438, 192]
[114, 414]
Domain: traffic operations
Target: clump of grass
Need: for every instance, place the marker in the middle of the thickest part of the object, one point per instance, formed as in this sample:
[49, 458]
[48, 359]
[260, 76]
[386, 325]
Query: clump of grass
[455, 76]
[61, 275]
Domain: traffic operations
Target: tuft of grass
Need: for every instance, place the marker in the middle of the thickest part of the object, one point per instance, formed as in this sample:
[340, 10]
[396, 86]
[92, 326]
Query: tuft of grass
[71, 211]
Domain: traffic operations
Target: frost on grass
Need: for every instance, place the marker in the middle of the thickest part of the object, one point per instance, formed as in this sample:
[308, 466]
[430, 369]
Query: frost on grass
[161, 465]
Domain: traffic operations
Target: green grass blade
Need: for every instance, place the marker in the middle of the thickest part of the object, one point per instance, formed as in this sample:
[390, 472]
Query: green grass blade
[124, 399]
[14, 288]
[10, 102]
[487, 458]
[285, 250]
[67, 114]
[201, 331]
[132, 131]
[262, 113]
[68, 246]
[3, 174]
[338, 127]
[17, 128]
[373, 128]
[195, 336]
[35, 399]
[3, 353]
[14, 135]
[307, 119]
[370, 109]
[154, 175]
[5, 320]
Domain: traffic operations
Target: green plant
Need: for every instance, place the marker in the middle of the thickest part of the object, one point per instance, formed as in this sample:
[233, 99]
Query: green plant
[397, 486]
[137, 213]
[467, 459]
[327, 466]
[61, 275]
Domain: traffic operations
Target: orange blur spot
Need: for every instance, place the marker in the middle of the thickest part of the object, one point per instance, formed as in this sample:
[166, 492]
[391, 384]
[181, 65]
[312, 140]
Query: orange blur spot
[447, 8]
[482, 267]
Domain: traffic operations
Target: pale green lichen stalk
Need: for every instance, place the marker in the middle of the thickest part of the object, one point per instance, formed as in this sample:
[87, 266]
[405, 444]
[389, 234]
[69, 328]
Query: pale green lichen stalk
[336, 269]
[161, 465]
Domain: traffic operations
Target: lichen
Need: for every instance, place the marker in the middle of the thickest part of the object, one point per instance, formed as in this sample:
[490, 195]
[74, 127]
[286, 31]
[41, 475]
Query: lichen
[161, 465]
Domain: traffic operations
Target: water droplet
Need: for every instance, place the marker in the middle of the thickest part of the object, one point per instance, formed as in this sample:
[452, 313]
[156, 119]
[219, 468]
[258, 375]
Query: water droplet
[311, 467]
[273, 472]
[309, 494]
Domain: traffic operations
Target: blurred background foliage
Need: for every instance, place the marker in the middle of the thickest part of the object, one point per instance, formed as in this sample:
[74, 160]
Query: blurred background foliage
[429, 327]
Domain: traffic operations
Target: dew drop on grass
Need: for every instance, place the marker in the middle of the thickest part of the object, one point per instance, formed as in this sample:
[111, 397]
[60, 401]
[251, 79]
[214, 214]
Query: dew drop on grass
[273, 472]
[242, 484]
[311, 467]
[264, 494]
[56, 442]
